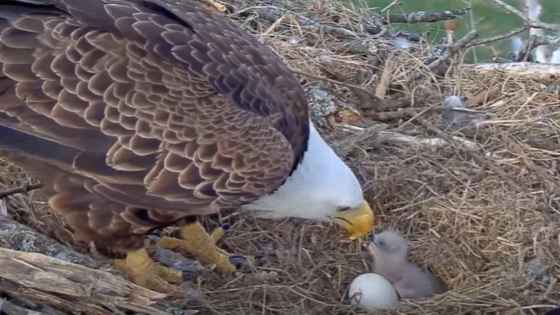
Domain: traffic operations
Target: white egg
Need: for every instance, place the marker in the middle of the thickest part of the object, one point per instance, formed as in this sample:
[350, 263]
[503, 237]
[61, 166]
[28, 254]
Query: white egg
[377, 293]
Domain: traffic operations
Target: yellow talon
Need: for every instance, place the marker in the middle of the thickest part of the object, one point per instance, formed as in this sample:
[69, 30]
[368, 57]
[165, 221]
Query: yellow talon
[200, 244]
[143, 271]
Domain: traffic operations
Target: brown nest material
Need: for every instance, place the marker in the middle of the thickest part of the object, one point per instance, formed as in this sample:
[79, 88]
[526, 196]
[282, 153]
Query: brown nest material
[492, 236]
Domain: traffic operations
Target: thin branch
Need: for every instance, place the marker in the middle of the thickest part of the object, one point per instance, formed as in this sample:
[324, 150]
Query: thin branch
[524, 54]
[496, 38]
[401, 113]
[546, 295]
[483, 162]
[20, 190]
[390, 5]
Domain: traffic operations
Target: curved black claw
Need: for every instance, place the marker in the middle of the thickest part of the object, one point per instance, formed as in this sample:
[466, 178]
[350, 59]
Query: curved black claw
[189, 274]
[238, 260]
[153, 236]
[260, 259]
[224, 226]
[242, 262]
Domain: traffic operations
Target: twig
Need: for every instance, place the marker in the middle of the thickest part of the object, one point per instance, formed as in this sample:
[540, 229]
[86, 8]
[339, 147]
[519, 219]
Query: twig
[450, 52]
[482, 135]
[386, 78]
[390, 105]
[390, 5]
[529, 164]
[471, 20]
[484, 162]
[378, 131]
[545, 296]
[426, 16]
[460, 44]
[485, 95]
[525, 52]
[527, 21]
[400, 113]
[20, 190]
[496, 38]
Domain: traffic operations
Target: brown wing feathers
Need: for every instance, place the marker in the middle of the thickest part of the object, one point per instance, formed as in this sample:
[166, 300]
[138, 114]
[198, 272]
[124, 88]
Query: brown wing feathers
[168, 109]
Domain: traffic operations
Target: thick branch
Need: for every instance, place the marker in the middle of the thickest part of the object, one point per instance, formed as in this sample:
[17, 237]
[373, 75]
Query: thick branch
[75, 288]
[21, 237]
[542, 71]
[63, 284]
[526, 20]
[10, 308]
[425, 16]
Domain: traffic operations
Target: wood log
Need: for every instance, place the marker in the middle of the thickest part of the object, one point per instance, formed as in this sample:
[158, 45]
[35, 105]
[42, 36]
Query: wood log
[542, 71]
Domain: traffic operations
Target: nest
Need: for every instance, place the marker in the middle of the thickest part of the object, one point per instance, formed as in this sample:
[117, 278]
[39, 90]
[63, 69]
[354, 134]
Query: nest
[478, 202]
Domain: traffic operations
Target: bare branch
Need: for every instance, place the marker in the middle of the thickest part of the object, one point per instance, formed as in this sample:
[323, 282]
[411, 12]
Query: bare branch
[496, 38]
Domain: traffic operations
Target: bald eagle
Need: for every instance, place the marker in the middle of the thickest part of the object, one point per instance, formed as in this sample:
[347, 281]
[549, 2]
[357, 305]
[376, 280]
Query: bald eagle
[140, 114]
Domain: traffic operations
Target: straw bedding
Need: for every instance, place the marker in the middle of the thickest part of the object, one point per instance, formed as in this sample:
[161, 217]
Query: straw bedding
[493, 240]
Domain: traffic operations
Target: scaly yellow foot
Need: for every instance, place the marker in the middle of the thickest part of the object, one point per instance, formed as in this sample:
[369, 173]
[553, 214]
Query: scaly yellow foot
[202, 245]
[143, 271]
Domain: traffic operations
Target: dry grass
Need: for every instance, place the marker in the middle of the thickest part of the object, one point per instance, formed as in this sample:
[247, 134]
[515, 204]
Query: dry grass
[474, 229]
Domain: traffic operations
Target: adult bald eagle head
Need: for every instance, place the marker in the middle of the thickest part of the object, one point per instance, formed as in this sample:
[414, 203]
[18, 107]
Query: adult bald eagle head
[139, 114]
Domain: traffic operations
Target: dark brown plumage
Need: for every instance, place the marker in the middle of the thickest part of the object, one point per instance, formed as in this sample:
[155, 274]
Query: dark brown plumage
[138, 113]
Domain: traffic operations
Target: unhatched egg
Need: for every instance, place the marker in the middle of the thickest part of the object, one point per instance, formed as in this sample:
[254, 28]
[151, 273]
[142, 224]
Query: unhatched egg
[377, 293]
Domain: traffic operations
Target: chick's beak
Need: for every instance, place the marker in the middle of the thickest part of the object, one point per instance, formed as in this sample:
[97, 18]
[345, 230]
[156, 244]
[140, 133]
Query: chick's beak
[358, 223]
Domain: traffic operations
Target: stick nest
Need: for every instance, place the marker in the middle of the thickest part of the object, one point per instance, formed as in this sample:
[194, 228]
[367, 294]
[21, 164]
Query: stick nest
[493, 240]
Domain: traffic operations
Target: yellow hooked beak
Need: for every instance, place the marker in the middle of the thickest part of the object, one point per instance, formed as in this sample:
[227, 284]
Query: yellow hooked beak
[357, 223]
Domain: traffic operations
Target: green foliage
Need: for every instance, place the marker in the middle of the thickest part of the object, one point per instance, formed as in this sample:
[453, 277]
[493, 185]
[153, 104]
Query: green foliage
[489, 20]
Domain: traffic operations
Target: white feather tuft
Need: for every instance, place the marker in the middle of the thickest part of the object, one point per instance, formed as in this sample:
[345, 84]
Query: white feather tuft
[516, 44]
[555, 56]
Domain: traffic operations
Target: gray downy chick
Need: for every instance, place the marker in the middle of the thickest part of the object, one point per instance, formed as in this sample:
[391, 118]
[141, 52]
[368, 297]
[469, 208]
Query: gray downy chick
[390, 251]
[452, 113]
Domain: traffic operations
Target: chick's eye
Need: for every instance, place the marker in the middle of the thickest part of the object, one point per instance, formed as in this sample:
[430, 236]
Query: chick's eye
[381, 243]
